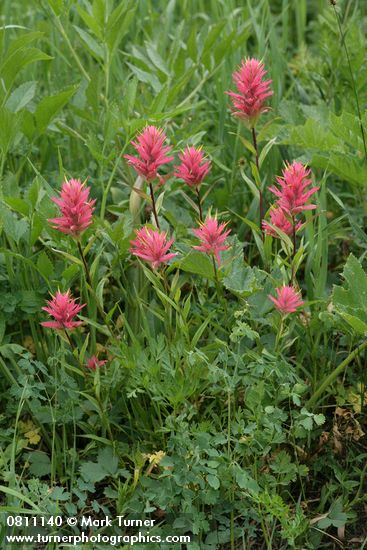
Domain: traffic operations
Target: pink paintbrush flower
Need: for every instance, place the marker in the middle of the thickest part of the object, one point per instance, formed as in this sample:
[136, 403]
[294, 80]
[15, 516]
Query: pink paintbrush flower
[193, 167]
[75, 208]
[93, 363]
[279, 219]
[293, 193]
[287, 300]
[212, 236]
[152, 246]
[248, 101]
[63, 308]
[152, 152]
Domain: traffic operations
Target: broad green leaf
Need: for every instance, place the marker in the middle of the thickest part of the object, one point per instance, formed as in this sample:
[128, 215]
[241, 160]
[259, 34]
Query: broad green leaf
[9, 124]
[21, 96]
[348, 168]
[213, 481]
[18, 205]
[347, 128]
[30, 301]
[198, 263]
[50, 106]
[19, 59]
[245, 481]
[313, 136]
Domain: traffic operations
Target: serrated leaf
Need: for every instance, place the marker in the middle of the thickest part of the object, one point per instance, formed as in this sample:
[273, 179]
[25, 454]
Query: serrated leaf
[240, 279]
[45, 265]
[107, 465]
[350, 299]
[40, 464]
[93, 471]
[307, 423]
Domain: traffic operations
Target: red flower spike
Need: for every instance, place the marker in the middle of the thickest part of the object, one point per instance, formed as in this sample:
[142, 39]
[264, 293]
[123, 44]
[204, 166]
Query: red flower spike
[152, 246]
[287, 300]
[93, 363]
[212, 236]
[293, 193]
[75, 208]
[193, 167]
[63, 308]
[152, 153]
[248, 101]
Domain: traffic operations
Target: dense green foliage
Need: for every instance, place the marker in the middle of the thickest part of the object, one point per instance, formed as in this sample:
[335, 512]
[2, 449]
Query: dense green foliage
[213, 415]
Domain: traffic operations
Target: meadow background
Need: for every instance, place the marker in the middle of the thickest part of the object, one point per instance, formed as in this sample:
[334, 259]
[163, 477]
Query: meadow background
[202, 418]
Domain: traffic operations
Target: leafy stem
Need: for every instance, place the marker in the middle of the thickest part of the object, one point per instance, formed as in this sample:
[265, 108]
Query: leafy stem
[89, 281]
[261, 207]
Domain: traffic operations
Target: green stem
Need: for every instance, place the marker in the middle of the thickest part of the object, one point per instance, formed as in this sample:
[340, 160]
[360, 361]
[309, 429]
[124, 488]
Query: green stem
[219, 288]
[294, 247]
[167, 307]
[199, 204]
[279, 334]
[70, 341]
[154, 205]
[336, 372]
[261, 208]
[106, 191]
[70, 46]
[89, 281]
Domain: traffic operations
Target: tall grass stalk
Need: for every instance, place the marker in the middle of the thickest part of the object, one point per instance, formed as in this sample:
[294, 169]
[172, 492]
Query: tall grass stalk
[353, 81]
